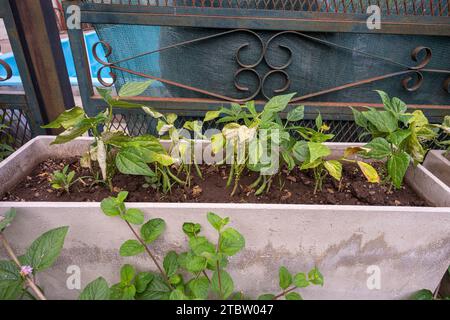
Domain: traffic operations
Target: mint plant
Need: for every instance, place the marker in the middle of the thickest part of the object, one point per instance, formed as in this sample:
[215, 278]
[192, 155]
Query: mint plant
[397, 136]
[62, 179]
[426, 294]
[289, 283]
[116, 150]
[17, 276]
[199, 273]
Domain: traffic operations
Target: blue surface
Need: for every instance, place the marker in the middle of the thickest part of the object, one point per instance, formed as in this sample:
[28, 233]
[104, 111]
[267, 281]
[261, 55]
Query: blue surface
[91, 38]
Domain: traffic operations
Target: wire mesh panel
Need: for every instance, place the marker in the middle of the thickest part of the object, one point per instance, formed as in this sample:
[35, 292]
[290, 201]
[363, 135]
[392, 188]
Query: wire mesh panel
[389, 7]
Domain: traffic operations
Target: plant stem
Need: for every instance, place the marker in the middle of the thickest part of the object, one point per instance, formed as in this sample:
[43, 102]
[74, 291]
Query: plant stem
[161, 270]
[284, 293]
[13, 256]
[219, 278]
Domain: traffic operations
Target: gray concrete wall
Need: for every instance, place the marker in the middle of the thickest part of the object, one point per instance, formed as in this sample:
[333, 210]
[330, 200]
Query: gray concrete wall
[410, 246]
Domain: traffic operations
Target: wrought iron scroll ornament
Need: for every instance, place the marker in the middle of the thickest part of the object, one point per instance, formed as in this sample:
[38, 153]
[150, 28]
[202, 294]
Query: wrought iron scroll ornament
[412, 81]
[7, 69]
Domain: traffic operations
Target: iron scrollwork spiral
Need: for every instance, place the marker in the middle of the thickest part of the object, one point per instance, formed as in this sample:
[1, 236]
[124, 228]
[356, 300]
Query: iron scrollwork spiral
[7, 69]
[412, 81]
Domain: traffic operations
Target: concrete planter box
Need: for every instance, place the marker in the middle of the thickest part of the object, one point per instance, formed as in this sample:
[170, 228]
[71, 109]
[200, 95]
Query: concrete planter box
[439, 165]
[407, 247]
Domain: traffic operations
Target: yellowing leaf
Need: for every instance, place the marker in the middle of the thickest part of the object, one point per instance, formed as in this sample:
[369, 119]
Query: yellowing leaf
[334, 168]
[350, 151]
[217, 142]
[369, 172]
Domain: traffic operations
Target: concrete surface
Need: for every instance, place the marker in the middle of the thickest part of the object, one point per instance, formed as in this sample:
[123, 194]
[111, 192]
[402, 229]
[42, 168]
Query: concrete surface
[439, 165]
[407, 248]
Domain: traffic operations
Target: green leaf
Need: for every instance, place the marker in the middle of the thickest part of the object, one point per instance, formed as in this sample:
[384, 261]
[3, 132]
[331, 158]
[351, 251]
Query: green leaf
[334, 168]
[231, 242]
[132, 89]
[423, 294]
[11, 282]
[217, 222]
[301, 151]
[267, 296]
[397, 165]
[199, 287]
[191, 229]
[131, 161]
[384, 121]
[379, 149]
[217, 143]
[278, 103]
[360, 120]
[73, 132]
[131, 248]
[315, 277]
[211, 115]
[399, 136]
[6, 220]
[122, 196]
[199, 245]
[319, 121]
[105, 94]
[293, 296]
[111, 207]
[300, 280]
[67, 119]
[127, 273]
[317, 151]
[121, 292]
[44, 251]
[194, 263]
[142, 280]
[296, 114]
[152, 230]
[226, 286]
[96, 290]
[398, 106]
[134, 216]
[152, 112]
[156, 290]
[178, 294]
[385, 99]
[171, 118]
[170, 263]
[285, 278]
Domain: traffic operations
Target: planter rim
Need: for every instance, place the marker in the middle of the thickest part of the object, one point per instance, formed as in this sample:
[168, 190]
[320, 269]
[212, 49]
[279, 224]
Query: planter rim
[218, 205]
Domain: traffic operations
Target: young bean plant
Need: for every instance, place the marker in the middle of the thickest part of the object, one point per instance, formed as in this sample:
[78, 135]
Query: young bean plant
[312, 153]
[199, 273]
[397, 136]
[62, 179]
[257, 141]
[115, 150]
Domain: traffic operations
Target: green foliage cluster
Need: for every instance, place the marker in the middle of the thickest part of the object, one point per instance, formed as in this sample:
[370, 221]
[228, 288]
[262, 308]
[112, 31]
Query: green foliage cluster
[197, 274]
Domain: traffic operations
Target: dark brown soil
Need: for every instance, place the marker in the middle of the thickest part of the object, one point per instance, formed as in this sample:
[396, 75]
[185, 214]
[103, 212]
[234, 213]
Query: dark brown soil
[298, 188]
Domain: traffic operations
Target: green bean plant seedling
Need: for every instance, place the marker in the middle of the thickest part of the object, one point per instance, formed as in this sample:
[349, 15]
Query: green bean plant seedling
[397, 136]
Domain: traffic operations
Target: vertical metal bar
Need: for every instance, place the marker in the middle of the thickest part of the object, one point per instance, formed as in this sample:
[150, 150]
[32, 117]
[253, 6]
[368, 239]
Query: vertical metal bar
[41, 42]
[82, 67]
[13, 30]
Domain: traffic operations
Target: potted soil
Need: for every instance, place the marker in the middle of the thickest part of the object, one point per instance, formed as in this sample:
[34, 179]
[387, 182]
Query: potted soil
[326, 206]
